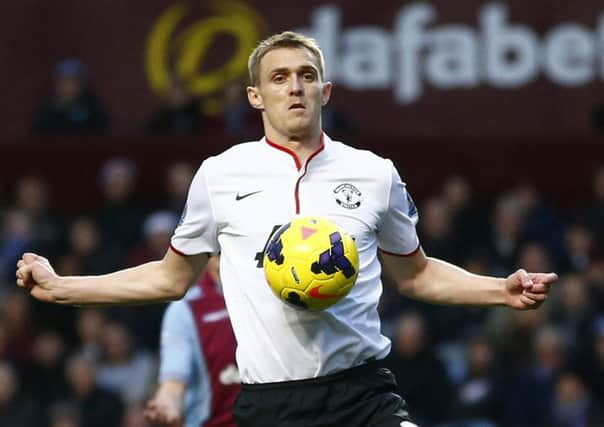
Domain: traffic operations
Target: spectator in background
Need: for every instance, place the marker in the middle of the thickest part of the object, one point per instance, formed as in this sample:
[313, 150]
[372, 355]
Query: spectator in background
[506, 237]
[580, 247]
[97, 406]
[178, 177]
[72, 108]
[125, 369]
[435, 230]
[17, 233]
[181, 114]
[90, 324]
[475, 401]
[32, 199]
[591, 216]
[239, 119]
[572, 406]
[573, 312]
[540, 221]
[469, 226]
[512, 334]
[85, 254]
[591, 367]
[530, 392]
[534, 254]
[16, 408]
[157, 230]
[46, 376]
[422, 376]
[121, 214]
[20, 328]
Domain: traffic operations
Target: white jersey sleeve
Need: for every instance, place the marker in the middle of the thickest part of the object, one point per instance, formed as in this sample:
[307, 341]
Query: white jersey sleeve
[196, 232]
[396, 233]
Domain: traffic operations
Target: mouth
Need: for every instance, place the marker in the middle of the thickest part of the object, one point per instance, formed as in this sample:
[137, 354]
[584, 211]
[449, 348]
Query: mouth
[297, 106]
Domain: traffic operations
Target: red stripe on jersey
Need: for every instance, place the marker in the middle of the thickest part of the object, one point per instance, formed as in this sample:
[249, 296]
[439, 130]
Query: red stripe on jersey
[287, 150]
[176, 251]
[317, 151]
[298, 165]
[413, 252]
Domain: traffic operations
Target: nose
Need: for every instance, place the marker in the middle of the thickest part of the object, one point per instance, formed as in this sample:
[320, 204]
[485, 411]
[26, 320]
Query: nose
[296, 87]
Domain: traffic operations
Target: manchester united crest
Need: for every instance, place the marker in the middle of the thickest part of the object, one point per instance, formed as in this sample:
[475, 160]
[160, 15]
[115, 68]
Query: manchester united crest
[347, 196]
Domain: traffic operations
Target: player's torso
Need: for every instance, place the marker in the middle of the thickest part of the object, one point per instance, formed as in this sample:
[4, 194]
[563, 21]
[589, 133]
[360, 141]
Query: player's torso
[254, 195]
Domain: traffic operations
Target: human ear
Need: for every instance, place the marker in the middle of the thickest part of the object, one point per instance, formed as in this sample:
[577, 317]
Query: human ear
[254, 98]
[326, 92]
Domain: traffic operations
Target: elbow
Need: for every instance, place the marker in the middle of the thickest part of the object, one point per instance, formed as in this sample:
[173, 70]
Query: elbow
[414, 282]
[406, 287]
[178, 290]
[174, 290]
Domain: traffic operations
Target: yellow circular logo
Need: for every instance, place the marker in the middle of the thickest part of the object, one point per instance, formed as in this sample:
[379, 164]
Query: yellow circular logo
[184, 50]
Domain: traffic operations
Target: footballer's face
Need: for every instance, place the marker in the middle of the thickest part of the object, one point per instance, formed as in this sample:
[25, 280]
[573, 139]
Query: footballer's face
[290, 94]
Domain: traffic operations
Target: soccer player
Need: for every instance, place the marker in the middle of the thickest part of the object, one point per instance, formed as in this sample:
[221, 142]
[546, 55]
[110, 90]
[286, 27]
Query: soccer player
[199, 380]
[298, 368]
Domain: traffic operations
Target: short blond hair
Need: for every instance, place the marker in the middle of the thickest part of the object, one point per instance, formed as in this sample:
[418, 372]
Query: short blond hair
[286, 39]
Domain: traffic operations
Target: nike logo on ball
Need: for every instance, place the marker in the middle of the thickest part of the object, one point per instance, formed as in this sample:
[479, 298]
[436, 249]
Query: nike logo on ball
[314, 292]
[243, 196]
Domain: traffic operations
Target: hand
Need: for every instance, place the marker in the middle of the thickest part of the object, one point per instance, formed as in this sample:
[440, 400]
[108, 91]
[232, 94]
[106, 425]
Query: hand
[35, 274]
[164, 409]
[528, 290]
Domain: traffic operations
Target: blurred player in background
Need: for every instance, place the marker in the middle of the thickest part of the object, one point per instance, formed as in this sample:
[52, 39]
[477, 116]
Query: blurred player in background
[298, 368]
[198, 377]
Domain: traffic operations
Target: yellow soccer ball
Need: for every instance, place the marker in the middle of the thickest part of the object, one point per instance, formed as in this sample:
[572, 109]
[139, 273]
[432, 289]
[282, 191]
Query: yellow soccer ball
[311, 263]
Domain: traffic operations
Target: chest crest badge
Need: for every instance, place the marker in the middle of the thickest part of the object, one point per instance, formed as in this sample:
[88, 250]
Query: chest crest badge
[347, 196]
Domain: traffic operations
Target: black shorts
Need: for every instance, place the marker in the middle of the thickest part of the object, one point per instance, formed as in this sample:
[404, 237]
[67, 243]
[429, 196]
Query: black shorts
[363, 396]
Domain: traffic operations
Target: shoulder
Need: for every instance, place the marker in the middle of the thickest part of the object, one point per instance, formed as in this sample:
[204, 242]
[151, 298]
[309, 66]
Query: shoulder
[362, 160]
[357, 154]
[214, 168]
[239, 153]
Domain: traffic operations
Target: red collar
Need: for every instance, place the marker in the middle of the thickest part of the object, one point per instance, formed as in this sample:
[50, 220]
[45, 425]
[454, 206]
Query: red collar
[292, 152]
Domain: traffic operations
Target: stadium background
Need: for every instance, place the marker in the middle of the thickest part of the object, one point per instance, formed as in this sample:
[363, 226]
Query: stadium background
[491, 111]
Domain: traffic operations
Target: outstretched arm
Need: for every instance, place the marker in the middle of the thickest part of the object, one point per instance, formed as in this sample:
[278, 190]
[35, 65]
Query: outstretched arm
[155, 281]
[436, 281]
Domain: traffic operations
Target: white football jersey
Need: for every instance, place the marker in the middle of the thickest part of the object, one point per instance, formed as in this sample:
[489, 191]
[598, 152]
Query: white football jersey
[239, 197]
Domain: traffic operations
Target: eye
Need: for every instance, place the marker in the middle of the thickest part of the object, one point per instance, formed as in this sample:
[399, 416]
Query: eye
[278, 78]
[309, 77]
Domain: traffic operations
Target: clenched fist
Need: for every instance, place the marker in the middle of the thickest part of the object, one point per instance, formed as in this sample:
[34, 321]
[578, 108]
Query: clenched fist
[35, 274]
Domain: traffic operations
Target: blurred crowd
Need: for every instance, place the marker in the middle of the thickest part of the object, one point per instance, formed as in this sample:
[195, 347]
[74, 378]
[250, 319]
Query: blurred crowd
[72, 107]
[457, 367]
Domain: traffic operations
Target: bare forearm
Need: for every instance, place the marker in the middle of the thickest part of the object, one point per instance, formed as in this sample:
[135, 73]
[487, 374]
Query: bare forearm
[174, 390]
[145, 283]
[442, 283]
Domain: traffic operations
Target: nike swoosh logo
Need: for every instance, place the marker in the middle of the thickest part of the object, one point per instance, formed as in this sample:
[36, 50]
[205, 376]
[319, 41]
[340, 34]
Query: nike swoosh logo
[314, 292]
[243, 196]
